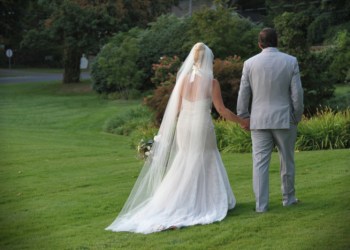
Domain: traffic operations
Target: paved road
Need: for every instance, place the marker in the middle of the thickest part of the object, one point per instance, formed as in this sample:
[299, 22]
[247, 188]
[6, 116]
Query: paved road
[24, 76]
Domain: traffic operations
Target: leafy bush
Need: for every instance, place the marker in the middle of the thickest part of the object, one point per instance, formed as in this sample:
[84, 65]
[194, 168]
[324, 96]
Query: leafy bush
[164, 37]
[224, 31]
[158, 101]
[128, 121]
[317, 80]
[326, 130]
[164, 78]
[165, 71]
[115, 69]
[340, 66]
[228, 73]
[317, 29]
[315, 77]
[126, 62]
[231, 137]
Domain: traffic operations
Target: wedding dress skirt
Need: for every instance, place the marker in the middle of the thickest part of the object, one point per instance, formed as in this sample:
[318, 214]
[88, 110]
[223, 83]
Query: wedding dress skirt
[195, 189]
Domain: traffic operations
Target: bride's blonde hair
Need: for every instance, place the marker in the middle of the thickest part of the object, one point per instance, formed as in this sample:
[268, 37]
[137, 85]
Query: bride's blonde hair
[199, 49]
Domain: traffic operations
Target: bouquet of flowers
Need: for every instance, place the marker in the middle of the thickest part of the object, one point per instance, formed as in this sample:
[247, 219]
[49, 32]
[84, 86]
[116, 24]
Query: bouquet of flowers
[144, 147]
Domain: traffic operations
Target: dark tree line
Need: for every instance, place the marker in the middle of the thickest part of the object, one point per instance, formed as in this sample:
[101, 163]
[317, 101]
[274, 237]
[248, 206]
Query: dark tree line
[68, 28]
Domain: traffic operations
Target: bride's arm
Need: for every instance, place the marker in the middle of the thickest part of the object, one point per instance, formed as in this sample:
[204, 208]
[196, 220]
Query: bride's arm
[223, 111]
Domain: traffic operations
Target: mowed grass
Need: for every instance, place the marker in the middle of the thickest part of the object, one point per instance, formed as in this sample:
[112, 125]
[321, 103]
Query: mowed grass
[63, 181]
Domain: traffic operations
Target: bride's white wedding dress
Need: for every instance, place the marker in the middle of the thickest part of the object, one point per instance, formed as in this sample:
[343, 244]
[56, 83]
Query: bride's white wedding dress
[183, 181]
[195, 189]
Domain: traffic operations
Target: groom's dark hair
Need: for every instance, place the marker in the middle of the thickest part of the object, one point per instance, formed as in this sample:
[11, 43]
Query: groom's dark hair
[268, 38]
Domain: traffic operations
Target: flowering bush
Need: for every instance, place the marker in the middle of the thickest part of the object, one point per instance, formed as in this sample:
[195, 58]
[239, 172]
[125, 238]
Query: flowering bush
[164, 78]
[228, 73]
[165, 71]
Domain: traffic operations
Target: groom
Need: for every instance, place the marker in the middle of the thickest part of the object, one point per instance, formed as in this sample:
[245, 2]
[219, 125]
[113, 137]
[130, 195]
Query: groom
[271, 81]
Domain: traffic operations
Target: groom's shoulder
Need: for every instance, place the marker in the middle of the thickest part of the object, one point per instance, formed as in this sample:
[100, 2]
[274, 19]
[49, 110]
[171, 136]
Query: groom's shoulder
[251, 59]
[287, 56]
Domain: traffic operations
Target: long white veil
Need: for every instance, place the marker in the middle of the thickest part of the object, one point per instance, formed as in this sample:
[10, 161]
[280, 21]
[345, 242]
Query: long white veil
[193, 83]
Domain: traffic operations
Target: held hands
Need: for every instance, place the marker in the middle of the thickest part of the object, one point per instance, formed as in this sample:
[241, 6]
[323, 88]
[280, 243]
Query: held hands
[245, 124]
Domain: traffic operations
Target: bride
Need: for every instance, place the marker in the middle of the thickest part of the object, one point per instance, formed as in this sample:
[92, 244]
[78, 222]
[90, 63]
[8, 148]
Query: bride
[183, 181]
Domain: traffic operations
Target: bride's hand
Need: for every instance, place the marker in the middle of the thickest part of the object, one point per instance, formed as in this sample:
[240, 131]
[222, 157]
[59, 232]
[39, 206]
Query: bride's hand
[245, 124]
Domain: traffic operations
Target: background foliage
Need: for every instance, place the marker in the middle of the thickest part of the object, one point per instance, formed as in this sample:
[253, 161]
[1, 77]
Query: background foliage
[164, 37]
[316, 81]
[228, 73]
[115, 68]
[169, 36]
[73, 26]
[224, 31]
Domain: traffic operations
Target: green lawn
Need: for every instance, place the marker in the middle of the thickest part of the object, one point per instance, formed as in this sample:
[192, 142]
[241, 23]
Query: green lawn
[63, 181]
[342, 89]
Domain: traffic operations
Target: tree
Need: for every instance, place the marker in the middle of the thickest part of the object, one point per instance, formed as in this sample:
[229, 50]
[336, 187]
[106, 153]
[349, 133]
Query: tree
[340, 65]
[83, 26]
[164, 37]
[224, 31]
[324, 15]
[11, 23]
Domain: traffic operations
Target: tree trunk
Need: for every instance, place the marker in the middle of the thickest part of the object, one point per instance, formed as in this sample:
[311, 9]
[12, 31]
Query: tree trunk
[71, 59]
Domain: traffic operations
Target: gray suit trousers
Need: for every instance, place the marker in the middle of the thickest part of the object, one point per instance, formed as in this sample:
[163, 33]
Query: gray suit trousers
[263, 143]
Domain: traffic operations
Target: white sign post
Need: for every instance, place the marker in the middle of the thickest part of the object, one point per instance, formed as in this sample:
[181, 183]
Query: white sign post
[9, 54]
[84, 62]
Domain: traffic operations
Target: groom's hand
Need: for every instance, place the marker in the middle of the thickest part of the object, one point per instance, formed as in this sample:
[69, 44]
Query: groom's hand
[246, 124]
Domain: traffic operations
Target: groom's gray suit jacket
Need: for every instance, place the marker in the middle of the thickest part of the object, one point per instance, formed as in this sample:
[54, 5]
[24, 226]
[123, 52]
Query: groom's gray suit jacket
[271, 79]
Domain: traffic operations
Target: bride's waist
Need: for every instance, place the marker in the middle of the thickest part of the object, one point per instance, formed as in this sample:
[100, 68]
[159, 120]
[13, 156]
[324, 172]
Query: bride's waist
[197, 107]
[198, 110]
[196, 113]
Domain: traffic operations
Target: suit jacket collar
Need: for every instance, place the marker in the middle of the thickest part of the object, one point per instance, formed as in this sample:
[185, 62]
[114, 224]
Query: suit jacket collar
[270, 49]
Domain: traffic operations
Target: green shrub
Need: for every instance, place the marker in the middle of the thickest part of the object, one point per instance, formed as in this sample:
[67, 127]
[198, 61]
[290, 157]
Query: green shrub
[231, 137]
[164, 37]
[224, 31]
[317, 29]
[326, 130]
[115, 68]
[126, 122]
[340, 66]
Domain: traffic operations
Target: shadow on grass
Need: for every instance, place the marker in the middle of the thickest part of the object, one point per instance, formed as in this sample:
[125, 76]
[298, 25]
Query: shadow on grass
[242, 208]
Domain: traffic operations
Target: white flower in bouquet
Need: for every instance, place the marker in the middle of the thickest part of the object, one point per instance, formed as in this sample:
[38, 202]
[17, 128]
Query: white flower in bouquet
[157, 137]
